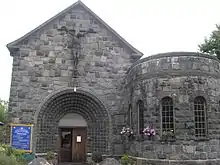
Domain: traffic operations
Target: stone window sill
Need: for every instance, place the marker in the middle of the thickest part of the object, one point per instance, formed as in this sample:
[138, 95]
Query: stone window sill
[201, 139]
[139, 137]
[168, 141]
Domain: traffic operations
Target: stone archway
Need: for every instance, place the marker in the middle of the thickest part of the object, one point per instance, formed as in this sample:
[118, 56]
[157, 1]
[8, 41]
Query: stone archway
[56, 106]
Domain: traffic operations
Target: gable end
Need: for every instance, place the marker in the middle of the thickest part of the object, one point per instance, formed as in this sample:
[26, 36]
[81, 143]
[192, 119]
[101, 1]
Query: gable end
[13, 46]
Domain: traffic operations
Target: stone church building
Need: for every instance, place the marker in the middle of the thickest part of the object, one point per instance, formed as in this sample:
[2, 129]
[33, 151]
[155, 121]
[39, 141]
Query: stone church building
[80, 83]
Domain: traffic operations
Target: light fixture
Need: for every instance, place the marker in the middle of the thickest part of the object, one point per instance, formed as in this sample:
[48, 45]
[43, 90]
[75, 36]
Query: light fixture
[74, 89]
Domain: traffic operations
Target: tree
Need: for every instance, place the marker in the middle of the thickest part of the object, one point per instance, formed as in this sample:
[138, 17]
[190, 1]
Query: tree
[3, 111]
[211, 45]
[3, 119]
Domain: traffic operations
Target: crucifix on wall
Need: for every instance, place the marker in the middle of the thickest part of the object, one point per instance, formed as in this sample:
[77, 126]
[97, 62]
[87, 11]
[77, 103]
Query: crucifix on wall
[75, 45]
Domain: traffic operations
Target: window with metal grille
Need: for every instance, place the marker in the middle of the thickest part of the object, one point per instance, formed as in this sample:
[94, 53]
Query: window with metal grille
[218, 110]
[130, 115]
[200, 116]
[167, 114]
[140, 105]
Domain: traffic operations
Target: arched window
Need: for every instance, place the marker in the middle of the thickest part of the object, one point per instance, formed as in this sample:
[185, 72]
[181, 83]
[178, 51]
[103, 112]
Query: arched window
[218, 110]
[167, 114]
[200, 116]
[140, 106]
[130, 115]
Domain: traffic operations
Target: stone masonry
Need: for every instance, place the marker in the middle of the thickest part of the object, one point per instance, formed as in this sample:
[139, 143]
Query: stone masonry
[111, 78]
[42, 77]
[181, 76]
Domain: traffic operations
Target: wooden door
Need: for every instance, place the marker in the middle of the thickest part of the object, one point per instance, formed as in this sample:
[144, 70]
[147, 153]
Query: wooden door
[79, 144]
[65, 145]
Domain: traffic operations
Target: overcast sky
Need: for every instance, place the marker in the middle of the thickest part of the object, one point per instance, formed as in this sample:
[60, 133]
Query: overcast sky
[152, 26]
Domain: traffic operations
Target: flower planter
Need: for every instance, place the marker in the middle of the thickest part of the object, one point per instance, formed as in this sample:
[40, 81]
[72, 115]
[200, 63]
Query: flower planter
[127, 134]
[168, 136]
[149, 132]
[150, 138]
[167, 139]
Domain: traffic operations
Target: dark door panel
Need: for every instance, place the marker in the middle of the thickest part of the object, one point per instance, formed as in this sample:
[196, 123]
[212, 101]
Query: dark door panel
[79, 144]
[66, 145]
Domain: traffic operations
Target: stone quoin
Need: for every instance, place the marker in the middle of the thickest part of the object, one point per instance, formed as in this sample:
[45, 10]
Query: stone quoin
[80, 83]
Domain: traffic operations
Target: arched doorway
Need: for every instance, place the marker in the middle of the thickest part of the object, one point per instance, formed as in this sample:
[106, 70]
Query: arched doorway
[72, 138]
[53, 113]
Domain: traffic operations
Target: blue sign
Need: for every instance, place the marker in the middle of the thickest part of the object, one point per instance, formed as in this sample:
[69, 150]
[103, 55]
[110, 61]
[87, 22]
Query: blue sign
[21, 137]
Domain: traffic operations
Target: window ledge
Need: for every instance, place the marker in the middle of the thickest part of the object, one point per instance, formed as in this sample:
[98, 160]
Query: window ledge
[201, 139]
[139, 137]
[167, 140]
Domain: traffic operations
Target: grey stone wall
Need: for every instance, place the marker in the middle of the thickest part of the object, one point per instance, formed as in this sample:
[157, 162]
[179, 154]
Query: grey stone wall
[140, 161]
[181, 76]
[43, 64]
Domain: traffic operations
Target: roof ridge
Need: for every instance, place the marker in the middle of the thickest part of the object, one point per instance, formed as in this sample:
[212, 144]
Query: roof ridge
[12, 46]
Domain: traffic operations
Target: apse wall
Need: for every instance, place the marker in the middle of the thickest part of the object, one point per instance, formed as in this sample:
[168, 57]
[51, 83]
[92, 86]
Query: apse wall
[180, 91]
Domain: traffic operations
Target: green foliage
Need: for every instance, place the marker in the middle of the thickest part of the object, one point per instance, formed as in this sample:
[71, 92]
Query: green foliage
[3, 130]
[50, 156]
[3, 111]
[19, 155]
[7, 160]
[11, 160]
[211, 45]
[7, 150]
[11, 156]
[126, 160]
[3, 118]
[97, 157]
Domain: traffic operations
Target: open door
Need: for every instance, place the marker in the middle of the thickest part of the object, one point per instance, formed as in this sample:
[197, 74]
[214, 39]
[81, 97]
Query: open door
[79, 144]
[65, 145]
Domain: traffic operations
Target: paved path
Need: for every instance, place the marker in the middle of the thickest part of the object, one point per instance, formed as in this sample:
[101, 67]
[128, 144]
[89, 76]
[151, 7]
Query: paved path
[73, 163]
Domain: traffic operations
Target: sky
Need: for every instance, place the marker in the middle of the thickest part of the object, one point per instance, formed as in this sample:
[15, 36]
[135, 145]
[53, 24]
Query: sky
[152, 26]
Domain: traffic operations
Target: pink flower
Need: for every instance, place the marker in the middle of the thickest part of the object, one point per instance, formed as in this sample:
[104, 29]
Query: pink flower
[149, 131]
[153, 132]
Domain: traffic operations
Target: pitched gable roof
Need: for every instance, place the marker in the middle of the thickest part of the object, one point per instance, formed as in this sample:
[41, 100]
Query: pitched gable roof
[13, 45]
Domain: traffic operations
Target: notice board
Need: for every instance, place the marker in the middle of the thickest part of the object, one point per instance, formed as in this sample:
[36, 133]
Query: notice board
[21, 137]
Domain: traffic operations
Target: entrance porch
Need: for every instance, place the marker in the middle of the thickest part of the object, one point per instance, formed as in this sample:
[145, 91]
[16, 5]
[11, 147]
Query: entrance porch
[73, 124]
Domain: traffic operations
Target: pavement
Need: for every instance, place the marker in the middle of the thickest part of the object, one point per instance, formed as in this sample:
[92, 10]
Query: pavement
[70, 163]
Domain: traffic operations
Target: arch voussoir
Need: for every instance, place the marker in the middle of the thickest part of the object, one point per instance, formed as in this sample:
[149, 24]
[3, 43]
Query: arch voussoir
[68, 101]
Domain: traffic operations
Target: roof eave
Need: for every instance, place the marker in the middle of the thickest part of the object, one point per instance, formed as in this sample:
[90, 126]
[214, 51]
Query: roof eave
[12, 49]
